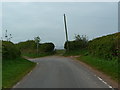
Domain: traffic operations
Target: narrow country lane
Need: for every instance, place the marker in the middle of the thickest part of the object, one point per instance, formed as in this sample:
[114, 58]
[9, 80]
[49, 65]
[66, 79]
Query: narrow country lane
[60, 72]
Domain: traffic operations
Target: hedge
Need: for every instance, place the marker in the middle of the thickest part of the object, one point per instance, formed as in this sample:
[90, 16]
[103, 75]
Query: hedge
[30, 44]
[75, 45]
[106, 46]
[47, 47]
[9, 50]
[31, 47]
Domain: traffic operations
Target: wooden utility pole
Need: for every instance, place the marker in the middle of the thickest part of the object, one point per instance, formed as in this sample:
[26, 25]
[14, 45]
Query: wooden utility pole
[66, 32]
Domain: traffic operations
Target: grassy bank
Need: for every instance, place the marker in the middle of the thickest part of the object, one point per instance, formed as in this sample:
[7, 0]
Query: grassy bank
[101, 53]
[14, 70]
[108, 67]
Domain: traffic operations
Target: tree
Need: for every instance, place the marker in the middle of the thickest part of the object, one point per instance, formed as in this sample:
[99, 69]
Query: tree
[47, 47]
[37, 41]
[79, 43]
[83, 38]
[77, 37]
[8, 38]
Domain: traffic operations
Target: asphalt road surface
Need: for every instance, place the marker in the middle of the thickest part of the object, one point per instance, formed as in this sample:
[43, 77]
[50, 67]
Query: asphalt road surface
[60, 72]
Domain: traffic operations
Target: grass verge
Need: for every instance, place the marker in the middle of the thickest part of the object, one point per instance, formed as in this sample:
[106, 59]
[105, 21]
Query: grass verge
[74, 52]
[108, 67]
[14, 70]
[59, 52]
[34, 55]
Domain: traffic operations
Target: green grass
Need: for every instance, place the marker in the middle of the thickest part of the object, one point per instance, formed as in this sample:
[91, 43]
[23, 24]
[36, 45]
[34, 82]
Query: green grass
[109, 67]
[14, 70]
[34, 55]
[59, 52]
[74, 52]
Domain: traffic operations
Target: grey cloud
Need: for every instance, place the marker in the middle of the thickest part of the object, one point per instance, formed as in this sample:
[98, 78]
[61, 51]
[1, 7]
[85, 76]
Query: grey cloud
[27, 20]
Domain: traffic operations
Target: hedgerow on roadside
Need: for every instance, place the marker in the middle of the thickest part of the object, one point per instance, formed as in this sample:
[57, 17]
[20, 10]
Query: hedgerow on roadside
[9, 50]
[107, 47]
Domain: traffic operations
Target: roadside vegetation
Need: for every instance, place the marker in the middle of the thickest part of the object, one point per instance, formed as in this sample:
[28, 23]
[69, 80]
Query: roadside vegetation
[28, 48]
[13, 66]
[59, 52]
[15, 70]
[107, 67]
[101, 53]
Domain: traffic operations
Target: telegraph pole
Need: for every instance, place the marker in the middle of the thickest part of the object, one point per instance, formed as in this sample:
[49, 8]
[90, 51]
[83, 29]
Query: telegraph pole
[66, 32]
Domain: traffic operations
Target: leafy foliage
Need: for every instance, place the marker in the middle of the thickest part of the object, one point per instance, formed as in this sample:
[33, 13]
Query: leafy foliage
[9, 50]
[101, 53]
[106, 46]
[30, 44]
[28, 48]
[37, 39]
[78, 44]
[47, 47]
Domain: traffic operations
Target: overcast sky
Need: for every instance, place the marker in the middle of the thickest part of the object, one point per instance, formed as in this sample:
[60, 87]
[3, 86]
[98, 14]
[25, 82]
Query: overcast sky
[26, 20]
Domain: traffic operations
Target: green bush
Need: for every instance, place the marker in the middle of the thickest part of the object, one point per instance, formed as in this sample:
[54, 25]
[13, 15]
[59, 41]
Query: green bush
[75, 45]
[47, 47]
[106, 46]
[79, 43]
[30, 44]
[9, 50]
[27, 46]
